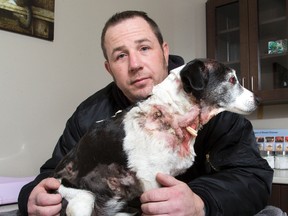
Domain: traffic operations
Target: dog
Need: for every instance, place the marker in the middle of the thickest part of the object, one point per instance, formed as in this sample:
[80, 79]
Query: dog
[118, 159]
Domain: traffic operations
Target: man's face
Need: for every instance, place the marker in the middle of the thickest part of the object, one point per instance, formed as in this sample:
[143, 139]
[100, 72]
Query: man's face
[136, 60]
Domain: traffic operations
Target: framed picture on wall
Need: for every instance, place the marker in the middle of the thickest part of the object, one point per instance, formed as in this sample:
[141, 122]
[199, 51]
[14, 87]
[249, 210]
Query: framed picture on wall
[29, 17]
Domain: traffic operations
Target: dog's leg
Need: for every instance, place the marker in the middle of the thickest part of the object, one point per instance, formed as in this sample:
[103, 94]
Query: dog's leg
[80, 202]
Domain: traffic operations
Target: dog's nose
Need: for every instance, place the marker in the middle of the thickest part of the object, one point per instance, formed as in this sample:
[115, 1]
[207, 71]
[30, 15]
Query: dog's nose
[257, 100]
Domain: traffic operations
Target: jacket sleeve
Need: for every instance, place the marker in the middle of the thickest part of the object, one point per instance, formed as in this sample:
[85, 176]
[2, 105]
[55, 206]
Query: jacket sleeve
[233, 178]
[70, 137]
[100, 105]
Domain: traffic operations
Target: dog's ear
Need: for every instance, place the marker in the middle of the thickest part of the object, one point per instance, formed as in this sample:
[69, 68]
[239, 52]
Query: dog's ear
[194, 78]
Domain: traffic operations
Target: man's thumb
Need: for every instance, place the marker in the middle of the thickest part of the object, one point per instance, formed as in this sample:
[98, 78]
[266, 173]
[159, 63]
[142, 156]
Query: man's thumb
[166, 180]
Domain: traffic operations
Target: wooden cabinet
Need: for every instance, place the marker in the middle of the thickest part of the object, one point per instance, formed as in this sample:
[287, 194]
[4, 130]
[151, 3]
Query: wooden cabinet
[251, 36]
[279, 197]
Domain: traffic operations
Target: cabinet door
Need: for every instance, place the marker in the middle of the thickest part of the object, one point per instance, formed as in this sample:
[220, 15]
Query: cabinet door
[227, 35]
[279, 196]
[251, 36]
[284, 198]
[268, 34]
[275, 198]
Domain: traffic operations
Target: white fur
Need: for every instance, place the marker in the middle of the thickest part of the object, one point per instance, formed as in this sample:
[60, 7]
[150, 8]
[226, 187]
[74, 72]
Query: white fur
[149, 142]
[148, 151]
[113, 206]
[244, 102]
[244, 99]
[80, 202]
[141, 147]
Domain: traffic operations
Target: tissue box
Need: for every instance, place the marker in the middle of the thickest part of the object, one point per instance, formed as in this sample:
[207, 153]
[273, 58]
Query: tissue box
[278, 46]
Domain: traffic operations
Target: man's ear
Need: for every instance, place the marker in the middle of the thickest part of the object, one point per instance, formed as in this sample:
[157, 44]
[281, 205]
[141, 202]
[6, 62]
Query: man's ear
[194, 78]
[107, 66]
[165, 48]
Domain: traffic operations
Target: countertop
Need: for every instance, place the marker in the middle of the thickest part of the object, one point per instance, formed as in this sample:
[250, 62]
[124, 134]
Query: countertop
[280, 176]
[8, 209]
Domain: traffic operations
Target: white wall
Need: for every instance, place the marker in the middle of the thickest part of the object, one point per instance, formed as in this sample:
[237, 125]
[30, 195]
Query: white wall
[42, 82]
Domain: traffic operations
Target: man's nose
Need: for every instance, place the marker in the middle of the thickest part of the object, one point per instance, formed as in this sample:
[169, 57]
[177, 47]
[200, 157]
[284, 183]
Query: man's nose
[135, 62]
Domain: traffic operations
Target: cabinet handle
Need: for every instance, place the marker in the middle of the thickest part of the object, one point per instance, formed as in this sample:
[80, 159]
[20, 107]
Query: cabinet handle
[252, 83]
[243, 81]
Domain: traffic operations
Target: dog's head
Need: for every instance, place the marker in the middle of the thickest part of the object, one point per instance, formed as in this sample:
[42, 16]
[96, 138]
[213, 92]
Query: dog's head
[215, 84]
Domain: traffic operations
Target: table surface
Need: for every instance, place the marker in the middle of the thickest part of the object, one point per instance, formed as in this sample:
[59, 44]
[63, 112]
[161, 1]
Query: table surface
[8, 208]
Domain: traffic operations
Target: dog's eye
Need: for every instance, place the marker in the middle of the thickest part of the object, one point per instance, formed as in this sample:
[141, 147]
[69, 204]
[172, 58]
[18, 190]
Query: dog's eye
[233, 80]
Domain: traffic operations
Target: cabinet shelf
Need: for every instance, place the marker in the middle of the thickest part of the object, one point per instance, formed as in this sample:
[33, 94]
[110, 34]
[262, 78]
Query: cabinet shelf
[228, 63]
[273, 21]
[273, 28]
[229, 31]
[270, 56]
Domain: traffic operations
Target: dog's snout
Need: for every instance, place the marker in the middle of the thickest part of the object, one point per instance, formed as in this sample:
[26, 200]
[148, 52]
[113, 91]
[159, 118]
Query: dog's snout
[257, 100]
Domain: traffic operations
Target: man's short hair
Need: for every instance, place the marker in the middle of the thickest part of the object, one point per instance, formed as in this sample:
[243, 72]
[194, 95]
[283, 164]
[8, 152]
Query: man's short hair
[121, 16]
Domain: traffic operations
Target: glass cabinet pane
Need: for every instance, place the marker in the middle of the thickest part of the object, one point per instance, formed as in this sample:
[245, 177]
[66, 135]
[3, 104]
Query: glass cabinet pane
[273, 41]
[228, 35]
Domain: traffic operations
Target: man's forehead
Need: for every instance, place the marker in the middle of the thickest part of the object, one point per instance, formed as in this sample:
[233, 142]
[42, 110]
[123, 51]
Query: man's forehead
[128, 35]
[133, 28]
[136, 42]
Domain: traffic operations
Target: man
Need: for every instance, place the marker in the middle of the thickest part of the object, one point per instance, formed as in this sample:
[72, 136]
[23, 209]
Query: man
[228, 177]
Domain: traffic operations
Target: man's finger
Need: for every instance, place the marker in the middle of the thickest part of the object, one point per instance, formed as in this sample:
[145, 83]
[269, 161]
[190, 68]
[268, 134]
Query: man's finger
[48, 210]
[48, 199]
[50, 184]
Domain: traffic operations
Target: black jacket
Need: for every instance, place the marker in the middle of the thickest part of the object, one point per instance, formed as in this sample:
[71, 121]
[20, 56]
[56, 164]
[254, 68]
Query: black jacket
[228, 173]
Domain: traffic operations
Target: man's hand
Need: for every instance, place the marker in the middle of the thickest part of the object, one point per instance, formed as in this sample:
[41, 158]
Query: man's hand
[174, 198]
[43, 203]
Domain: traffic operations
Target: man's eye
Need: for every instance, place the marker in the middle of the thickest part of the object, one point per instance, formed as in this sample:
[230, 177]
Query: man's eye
[120, 56]
[145, 48]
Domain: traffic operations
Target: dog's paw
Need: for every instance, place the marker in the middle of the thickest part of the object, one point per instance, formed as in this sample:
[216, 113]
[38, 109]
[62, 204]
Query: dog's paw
[80, 202]
[82, 205]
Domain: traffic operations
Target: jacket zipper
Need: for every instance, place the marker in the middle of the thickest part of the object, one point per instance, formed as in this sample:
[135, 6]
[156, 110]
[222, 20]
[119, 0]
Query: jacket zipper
[209, 162]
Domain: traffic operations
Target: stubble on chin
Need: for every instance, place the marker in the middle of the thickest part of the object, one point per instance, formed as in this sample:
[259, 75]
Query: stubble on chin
[142, 94]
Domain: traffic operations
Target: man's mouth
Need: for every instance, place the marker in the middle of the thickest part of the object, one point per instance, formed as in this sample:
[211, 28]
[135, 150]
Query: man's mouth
[140, 81]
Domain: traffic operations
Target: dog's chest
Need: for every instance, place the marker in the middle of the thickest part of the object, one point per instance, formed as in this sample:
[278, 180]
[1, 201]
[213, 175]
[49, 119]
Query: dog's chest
[157, 141]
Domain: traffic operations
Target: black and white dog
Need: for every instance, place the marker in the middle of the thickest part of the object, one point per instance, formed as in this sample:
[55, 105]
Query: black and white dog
[119, 158]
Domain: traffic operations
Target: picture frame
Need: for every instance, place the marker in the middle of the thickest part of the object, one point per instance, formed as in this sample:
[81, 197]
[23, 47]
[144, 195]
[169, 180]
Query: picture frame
[28, 17]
